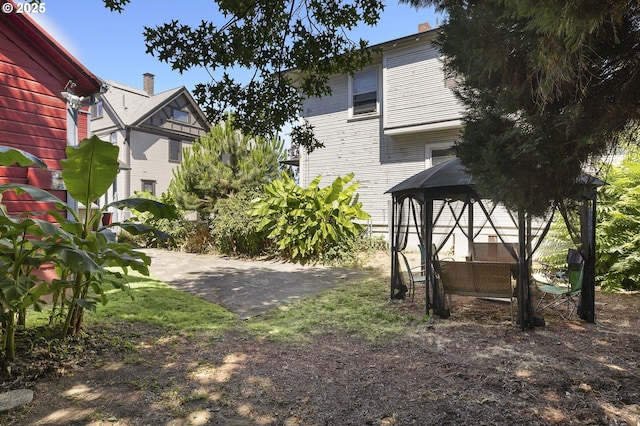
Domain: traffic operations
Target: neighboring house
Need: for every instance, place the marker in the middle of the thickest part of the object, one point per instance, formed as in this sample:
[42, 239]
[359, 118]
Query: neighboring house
[42, 91]
[385, 123]
[151, 131]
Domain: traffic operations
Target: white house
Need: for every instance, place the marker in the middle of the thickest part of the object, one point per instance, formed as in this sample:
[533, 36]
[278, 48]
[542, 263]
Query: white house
[384, 123]
[150, 129]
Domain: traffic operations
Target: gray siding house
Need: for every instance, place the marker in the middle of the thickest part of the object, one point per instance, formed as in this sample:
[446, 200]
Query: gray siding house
[151, 131]
[384, 123]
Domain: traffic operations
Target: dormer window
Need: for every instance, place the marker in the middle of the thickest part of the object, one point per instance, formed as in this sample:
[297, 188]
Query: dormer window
[180, 115]
[364, 92]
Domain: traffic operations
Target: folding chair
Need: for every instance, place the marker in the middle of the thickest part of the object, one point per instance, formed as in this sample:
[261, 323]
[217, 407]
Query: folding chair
[564, 291]
[413, 279]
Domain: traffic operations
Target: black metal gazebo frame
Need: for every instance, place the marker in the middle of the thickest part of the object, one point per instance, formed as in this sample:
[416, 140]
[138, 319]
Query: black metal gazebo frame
[450, 181]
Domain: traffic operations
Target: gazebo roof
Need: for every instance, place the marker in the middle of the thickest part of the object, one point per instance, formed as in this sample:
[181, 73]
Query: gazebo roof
[445, 180]
[450, 180]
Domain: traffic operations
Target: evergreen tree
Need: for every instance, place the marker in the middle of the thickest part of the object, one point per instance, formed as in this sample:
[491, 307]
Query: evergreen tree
[546, 86]
[221, 164]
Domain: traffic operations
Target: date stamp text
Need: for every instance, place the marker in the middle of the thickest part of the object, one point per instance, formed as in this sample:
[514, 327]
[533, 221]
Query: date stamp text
[25, 7]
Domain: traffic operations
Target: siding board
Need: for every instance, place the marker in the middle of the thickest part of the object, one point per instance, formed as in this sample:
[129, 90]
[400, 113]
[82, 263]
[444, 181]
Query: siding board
[380, 161]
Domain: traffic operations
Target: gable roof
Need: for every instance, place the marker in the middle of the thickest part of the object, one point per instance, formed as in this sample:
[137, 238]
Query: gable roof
[86, 82]
[136, 105]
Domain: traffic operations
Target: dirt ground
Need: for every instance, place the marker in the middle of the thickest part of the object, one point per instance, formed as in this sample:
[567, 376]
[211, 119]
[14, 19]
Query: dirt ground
[473, 368]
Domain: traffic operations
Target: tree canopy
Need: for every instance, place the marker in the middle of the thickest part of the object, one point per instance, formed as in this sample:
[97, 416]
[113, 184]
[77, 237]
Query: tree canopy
[547, 86]
[269, 38]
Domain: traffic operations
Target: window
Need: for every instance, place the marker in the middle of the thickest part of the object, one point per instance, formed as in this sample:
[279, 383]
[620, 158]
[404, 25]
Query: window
[149, 186]
[180, 115]
[175, 151]
[96, 110]
[364, 92]
[438, 153]
[441, 155]
[113, 138]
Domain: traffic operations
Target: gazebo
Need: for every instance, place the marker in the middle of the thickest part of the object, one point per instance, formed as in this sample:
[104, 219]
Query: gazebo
[447, 190]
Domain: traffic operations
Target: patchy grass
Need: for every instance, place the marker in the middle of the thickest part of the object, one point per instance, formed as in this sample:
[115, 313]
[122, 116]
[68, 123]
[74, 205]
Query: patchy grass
[360, 308]
[157, 303]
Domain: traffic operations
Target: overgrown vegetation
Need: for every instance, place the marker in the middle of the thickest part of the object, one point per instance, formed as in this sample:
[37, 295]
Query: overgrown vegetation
[234, 230]
[79, 247]
[310, 223]
[618, 230]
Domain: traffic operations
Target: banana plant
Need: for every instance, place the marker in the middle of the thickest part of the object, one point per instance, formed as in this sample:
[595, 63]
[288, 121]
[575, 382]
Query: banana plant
[79, 247]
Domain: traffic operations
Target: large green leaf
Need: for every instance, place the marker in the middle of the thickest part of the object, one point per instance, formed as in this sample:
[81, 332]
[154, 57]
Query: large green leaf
[9, 156]
[139, 229]
[90, 169]
[157, 209]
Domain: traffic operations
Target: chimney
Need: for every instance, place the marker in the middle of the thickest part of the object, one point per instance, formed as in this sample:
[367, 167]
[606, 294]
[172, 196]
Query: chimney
[424, 27]
[147, 83]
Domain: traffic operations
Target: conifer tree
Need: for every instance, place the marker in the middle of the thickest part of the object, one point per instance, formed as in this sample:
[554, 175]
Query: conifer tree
[221, 164]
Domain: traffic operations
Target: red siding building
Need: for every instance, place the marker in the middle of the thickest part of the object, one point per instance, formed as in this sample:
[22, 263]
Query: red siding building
[35, 116]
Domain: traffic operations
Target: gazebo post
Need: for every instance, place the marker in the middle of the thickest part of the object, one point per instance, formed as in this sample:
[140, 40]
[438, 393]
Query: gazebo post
[525, 308]
[427, 236]
[392, 244]
[470, 229]
[588, 235]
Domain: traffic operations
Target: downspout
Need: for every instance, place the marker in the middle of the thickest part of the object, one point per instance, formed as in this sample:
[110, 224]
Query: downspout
[73, 106]
[127, 157]
[74, 103]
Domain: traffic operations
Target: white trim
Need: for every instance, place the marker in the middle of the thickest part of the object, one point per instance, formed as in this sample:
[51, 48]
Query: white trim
[375, 113]
[440, 125]
[428, 151]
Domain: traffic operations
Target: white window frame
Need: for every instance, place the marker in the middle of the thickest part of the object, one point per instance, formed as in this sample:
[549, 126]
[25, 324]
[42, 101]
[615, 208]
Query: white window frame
[367, 114]
[428, 151]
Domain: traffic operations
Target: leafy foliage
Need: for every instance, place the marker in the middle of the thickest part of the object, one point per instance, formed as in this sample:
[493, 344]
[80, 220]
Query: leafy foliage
[221, 164]
[78, 247]
[618, 231]
[234, 230]
[305, 223]
[546, 87]
[268, 38]
[175, 227]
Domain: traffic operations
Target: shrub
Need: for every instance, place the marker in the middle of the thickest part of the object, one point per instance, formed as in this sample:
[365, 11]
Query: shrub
[234, 230]
[178, 228]
[310, 223]
[618, 231]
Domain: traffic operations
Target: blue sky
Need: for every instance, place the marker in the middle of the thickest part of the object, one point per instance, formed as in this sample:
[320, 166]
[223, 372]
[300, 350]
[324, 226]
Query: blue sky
[111, 45]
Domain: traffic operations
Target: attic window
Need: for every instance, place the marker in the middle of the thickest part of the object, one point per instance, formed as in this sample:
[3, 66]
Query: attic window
[180, 115]
[364, 92]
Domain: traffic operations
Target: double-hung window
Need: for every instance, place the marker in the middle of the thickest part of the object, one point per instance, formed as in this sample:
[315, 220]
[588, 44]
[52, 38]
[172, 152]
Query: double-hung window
[364, 92]
[96, 110]
[175, 151]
